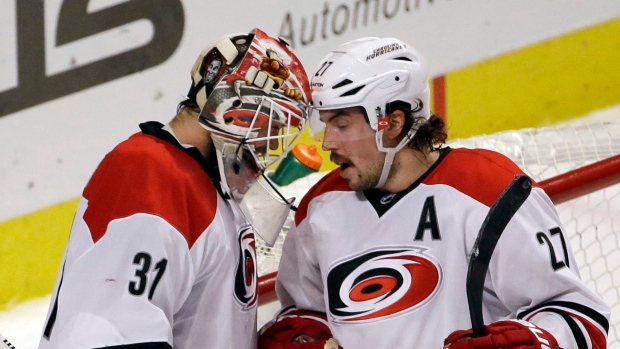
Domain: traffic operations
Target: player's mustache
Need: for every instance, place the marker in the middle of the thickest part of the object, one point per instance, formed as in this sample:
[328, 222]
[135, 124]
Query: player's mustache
[335, 158]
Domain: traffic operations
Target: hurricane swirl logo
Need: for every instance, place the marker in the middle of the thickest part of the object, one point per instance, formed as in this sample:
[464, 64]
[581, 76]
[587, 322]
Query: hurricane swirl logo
[382, 284]
[245, 275]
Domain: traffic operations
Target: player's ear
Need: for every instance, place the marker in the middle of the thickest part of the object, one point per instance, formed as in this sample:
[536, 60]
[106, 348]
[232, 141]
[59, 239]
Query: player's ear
[395, 127]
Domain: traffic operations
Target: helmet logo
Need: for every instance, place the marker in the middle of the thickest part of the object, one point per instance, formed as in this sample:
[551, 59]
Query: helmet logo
[212, 70]
[383, 50]
[212, 67]
[383, 123]
[272, 73]
[274, 68]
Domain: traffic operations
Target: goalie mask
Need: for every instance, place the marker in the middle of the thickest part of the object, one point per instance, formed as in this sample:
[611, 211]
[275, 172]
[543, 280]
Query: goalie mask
[377, 75]
[253, 93]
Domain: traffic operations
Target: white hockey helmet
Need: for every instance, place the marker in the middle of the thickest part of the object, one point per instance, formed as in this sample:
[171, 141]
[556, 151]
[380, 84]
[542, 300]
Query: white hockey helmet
[376, 74]
[371, 73]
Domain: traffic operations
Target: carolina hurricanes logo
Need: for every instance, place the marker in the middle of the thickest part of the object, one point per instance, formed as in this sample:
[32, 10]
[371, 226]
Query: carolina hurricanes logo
[245, 275]
[381, 284]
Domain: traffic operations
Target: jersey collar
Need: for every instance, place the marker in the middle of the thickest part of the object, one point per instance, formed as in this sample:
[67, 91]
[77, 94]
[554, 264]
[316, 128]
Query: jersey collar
[382, 201]
[156, 129]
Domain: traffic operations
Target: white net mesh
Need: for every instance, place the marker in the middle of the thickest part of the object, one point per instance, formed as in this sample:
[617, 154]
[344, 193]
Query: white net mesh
[591, 221]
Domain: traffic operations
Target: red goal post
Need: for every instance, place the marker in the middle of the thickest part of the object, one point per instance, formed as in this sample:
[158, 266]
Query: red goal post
[583, 181]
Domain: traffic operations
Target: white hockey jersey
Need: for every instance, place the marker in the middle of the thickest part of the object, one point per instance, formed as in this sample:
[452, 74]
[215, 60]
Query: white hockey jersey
[157, 258]
[389, 270]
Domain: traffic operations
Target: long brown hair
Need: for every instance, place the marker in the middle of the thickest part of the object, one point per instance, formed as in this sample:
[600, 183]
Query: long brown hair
[431, 134]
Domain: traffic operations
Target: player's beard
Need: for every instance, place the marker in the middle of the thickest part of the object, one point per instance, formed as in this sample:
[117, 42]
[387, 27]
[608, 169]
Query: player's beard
[363, 179]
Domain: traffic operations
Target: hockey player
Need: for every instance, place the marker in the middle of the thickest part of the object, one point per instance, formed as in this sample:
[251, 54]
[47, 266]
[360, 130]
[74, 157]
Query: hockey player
[161, 254]
[379, 251]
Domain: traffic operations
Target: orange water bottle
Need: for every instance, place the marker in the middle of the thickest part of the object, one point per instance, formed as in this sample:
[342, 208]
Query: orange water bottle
[301, 161]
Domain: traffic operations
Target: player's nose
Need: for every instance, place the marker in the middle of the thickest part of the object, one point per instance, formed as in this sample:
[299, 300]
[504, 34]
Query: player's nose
[328, 143]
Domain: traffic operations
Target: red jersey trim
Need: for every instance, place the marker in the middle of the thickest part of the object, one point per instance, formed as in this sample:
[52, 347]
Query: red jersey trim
[330, 182]
[597, 337]
[147, 175]
[478, 173]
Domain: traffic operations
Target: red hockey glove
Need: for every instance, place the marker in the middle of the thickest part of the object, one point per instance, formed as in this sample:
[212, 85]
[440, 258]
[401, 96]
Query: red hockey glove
[297, 329]
[509, 334]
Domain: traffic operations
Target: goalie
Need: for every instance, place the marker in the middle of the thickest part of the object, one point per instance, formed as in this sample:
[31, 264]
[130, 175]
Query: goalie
[161, 254]
[380, 246]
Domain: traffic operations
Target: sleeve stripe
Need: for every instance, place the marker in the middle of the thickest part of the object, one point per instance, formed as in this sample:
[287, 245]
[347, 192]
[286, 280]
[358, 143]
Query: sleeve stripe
[580, 339]
[590, 313]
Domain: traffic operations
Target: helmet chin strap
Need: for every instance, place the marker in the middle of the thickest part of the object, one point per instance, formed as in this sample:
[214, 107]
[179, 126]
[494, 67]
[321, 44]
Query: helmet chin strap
[390, 153]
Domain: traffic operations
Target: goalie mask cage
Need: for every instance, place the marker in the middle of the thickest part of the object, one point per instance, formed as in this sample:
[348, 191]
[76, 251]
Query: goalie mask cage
[577, 164]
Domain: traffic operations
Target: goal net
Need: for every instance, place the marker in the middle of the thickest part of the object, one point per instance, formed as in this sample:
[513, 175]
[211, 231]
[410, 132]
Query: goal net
[591, 219]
